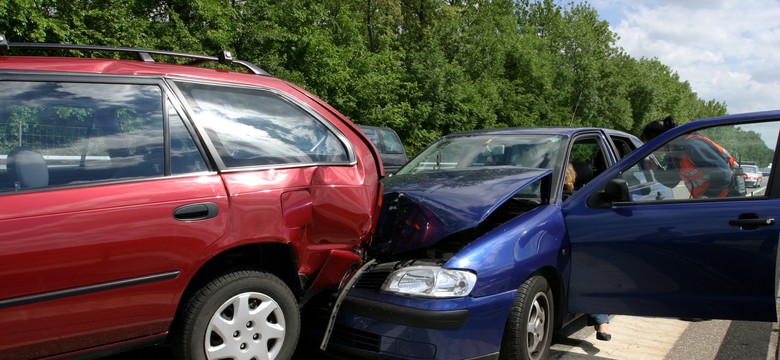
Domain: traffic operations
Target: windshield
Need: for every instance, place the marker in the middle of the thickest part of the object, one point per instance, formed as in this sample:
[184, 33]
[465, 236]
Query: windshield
[750, 168]
[463, 152]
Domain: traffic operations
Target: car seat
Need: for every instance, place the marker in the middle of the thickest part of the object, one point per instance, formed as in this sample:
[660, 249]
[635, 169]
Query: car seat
[27, 168]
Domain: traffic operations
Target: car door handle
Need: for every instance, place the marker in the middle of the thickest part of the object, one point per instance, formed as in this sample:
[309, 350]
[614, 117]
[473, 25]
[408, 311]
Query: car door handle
[752, 222]
[199, 211]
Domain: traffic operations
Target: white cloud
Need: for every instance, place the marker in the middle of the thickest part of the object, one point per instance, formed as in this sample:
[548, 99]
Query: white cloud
[728, 50]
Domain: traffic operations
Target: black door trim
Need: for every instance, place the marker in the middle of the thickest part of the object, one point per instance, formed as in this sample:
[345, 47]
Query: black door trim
[59, 294]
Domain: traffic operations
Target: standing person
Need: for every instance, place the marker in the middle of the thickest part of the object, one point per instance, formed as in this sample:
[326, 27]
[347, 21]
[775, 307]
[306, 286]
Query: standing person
[706, 168]
[657, 127]
[598, 321]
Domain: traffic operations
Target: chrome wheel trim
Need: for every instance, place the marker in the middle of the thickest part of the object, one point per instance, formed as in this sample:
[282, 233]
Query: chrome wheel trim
[536, 326]
[248, 326]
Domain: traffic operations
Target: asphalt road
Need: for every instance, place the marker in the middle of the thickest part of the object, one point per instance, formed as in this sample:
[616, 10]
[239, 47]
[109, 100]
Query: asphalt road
[671, 339]
[639, 338]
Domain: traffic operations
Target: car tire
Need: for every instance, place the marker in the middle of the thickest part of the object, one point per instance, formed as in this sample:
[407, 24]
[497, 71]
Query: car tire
[533, 306]
[267, 322]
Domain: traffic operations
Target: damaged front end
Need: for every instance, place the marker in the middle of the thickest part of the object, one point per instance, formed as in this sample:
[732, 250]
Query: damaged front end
[434, 215]
[428, 218]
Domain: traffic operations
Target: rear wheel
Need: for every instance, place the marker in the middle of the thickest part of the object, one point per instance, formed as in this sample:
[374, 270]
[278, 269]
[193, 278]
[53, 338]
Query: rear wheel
[528, 332]
[244, 314]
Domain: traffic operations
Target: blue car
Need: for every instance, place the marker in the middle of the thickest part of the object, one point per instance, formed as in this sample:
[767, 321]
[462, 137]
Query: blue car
[479, 254]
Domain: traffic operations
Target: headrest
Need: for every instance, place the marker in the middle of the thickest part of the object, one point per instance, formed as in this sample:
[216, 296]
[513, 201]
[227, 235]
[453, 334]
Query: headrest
[27, 168]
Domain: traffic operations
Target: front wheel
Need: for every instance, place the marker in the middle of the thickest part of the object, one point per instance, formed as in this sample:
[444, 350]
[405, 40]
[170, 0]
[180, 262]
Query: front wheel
[528, 332]
[246, 314]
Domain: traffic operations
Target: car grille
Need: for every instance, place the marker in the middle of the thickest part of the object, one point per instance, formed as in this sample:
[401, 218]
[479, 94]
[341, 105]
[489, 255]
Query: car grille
[372, 280]
[355, 338]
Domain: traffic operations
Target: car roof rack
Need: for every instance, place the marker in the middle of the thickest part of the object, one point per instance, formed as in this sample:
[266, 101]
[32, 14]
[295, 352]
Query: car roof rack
[224, 57]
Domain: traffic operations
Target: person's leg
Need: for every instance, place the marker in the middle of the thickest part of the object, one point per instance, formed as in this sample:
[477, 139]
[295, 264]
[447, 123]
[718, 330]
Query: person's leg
[600, 322]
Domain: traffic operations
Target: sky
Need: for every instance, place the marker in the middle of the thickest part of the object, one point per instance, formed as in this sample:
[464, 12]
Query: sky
[727, 50]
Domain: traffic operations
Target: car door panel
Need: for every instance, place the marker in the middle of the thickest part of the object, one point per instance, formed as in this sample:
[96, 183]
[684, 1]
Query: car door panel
[681, 259]
[55, 240]
[668, 254]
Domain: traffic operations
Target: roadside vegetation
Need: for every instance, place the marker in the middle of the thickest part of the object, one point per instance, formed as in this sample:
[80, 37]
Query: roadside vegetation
[422, 67]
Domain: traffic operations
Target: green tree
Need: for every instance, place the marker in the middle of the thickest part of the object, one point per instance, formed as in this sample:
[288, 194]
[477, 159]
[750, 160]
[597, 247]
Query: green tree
[422, 67]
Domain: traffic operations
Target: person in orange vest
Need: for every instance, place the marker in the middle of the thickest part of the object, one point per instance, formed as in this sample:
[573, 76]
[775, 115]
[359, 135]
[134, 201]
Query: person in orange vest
[706, 168]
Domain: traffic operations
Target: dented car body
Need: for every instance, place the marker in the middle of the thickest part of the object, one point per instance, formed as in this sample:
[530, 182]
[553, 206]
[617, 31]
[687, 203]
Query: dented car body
[480, 254]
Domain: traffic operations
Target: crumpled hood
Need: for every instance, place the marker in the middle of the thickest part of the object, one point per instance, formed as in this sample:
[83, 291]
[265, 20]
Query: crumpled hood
[420, 209]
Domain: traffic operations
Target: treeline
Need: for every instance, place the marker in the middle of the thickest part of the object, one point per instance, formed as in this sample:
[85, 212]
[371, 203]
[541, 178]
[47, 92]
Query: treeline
[744, 145]
[422, 67]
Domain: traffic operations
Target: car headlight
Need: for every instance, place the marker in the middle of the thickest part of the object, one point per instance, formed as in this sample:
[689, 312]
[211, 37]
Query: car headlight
[430, 281]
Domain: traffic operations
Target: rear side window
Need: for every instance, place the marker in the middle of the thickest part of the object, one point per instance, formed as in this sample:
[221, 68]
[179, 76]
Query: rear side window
[68, 133]
[624, 146]
[251, 127]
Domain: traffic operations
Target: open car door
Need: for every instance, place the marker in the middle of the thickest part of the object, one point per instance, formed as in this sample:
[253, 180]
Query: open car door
[673, 255]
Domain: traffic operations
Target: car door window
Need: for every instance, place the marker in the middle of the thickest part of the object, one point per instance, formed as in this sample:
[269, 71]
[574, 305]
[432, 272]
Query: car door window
[691, 167]
[67, 133]
[587, 159]
[185, 156]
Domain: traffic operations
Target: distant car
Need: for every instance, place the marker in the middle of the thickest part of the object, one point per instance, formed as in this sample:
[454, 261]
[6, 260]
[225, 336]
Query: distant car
[477, 254]
[753, 176]
[389, 145]
[146, 202]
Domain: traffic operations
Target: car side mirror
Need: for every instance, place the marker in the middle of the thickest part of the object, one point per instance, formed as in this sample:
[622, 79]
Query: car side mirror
[616, 190]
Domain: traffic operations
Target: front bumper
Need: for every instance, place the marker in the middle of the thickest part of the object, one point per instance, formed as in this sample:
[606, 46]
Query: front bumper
[401, 315]
[372, 324]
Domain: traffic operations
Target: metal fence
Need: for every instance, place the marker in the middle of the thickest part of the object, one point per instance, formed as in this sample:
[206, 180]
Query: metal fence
[45, 138]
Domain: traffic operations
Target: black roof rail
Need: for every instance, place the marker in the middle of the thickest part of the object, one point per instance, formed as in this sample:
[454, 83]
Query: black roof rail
[224, 57]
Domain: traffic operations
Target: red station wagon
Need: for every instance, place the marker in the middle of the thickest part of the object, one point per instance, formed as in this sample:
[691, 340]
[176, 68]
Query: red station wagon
[142, 202]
